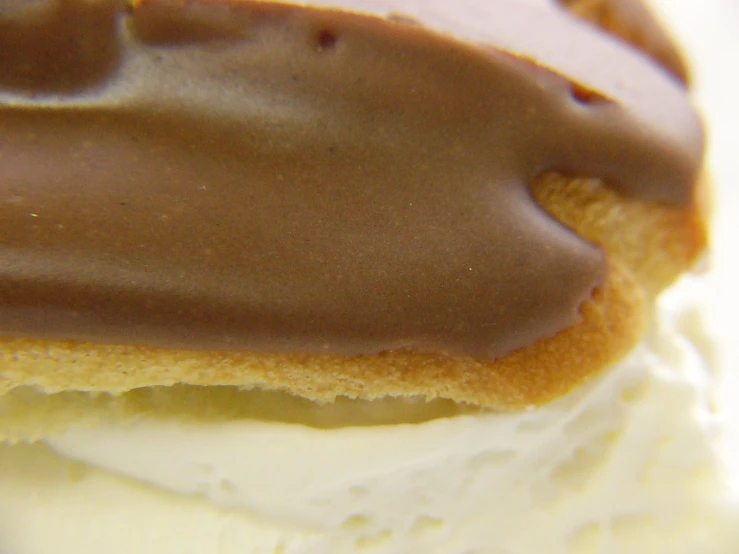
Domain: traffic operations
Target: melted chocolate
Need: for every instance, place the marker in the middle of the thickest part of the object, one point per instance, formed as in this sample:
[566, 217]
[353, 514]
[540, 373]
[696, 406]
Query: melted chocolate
[635, 23]
[285, 179]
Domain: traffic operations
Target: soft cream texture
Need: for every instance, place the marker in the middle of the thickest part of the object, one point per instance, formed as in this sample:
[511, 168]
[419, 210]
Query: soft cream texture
[625, 463]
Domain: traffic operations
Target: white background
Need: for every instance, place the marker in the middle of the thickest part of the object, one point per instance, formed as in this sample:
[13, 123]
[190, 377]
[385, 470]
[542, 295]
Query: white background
[709, 30]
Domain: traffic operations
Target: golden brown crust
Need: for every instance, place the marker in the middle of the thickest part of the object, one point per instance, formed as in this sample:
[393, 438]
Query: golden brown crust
[648, 246]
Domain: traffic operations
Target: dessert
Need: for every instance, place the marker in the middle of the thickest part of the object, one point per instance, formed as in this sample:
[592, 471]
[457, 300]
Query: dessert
[352, 274]
[375, 251]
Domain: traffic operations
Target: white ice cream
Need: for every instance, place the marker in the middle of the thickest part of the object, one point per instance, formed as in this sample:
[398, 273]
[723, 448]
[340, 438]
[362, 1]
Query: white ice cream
[626, 464]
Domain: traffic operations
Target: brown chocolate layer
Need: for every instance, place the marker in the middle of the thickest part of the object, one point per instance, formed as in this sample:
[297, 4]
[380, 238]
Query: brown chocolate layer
[633, 21]
[275, 178]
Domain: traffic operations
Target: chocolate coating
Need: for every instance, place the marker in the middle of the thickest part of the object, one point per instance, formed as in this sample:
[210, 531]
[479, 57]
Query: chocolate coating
[636, 24]
[261, 176]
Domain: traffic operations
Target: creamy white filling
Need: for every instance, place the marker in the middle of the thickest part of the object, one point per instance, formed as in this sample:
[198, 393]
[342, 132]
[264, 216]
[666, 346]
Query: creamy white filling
[318, 479]
[628, 459]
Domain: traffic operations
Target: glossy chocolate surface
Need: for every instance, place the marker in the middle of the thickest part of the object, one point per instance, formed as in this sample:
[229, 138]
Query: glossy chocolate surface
[635, 23]
[276, 178]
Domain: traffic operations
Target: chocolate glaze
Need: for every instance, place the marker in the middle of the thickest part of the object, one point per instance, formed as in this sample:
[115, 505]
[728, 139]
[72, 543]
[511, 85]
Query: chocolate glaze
[285, 179]
[82, 50]
[635, 23]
